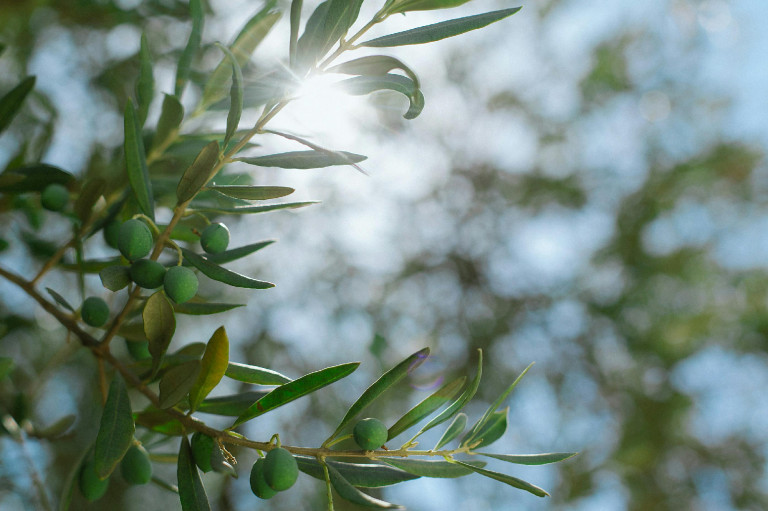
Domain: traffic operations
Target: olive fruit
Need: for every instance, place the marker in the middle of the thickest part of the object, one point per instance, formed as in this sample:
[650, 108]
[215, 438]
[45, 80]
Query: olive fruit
[91, 486]
[215, 238]
[202, 447]
[95, 311]
[280, 469]
[147, 273]
[54, 197]
[139, 350]
[111, 233]
[370, 434]
[180, 283]
[134, 239]
[135, 466]
[259, 485]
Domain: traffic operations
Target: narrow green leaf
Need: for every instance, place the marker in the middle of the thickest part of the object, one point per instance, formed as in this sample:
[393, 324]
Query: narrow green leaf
[159, 421]
[213, 366]
[34, 178]
[136, 163]
[159, 326]
[304, 159]
[204, 308]
[325, 27]
[191, 491]
[249, 210]
[68, 489]
[171, 115]
[199, 173]
[365, 475]
[145, 85]
[253, 192]
[60, 299]
[2, 48]
[297, 388]
[165, 485]
[216, 272]
[493, 429]
[348, 492]
[115, 429]
[506, 479]
[193, 46]
[362, 85]
[255, 375]
[386, 380]
[11, 102]
[455, 429]
[378, 65]
[427, 406]
[6, 367]
[91, 191]
[235, 95]
[254, 31]
[56, 429]
[442, 30]
[115, 277]
[431, 468]
[295, 20]
[423, 5]
[177, 381]
[532, 459]
[238, 253]
[92, 265]
[232, 405]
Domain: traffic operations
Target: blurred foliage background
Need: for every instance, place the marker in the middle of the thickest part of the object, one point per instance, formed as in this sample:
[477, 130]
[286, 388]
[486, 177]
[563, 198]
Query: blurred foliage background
[586, 189]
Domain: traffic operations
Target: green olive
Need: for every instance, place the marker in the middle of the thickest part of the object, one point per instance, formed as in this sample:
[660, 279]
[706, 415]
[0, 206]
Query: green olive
[180, 284]
[135, 466]
[370, 434]
[259, 485]
[215, 238]
[280, 469]
[147, 273]
[134, 239]
[95, 311]
[91, 486]
[54, 197]
[111, 233]
[202, 447]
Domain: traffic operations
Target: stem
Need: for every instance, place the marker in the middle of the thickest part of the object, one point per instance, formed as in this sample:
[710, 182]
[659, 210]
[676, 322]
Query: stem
[328, 489]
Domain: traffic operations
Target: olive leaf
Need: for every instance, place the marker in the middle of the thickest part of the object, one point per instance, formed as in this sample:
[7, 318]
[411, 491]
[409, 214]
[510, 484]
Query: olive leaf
[116, 429]
[362, 85]
[159, 327]
[177, 382]
[427, 406]
[220, 274]
[199, 173]
[431, 468]
[213, 366]
[347, 491]
[192, 47]
[11, 102]
[136, 162]
[365, 475]
[506, 479]
[191, 491]
[145, 85]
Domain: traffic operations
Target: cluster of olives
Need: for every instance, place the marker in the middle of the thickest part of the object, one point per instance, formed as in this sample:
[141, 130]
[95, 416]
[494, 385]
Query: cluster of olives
[135, 468]
[370, 434]
[275, 472]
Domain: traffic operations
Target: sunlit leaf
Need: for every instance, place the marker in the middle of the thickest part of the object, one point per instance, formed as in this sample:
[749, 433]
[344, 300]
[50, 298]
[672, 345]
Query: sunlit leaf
[378, 387]
[115, 429]
[427, 406]
[216, 272]
[294, 37]
[11, 102]
[304, 159]
[171, 115]
[326, 25]
[442, 30]
[60, 299]
[249, 210]
[192, 47]
[297, 388]
[362, 85]
[235, 96]
[254, 374]
[232, 405]
[506, 479]
[238, 253]
[431, 468]
[347, 491]
[423, 5]
[365, 475]
[213, 366]
[378, 65]
[455, 429]
[34, 178]
[159, 326]
[136, 163]
[177, 381]
[191, 491]
[493, 429]
[204, 308]
[253, 192]
[532, 459]
[145, 86]
[199, 173]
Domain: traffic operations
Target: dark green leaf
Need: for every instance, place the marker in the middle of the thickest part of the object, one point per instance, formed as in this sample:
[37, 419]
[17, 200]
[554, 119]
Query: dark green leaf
[506, 479]
[136, 163]
[230, 406]
[347, 491]
[365, 475]
[455, 429]
[145, 86]
[235, 96]
[297, 388]
[115, 429]
[427, 406]
[377, 65]
[160, 422]
[199, 173]
[177, 381]
[216, 272]
[431, 468]
[304, 159]
[442, 30]
[68, 489]
[90, 192]
[238, 253]
[204, 308]
[193, 45]
[378, 387]
[249, 210]
[11, 102]
[60, 299]
[213, 366]
[532, 459]
[295, 20]
[492, 430]
[328, 23]
[92, 265]
[255, 375]
[168, 125]
[159, 326]
[423, 5]
[34, 178]
[362, 85]
[115, 277]
[191, 491]
[253, 192]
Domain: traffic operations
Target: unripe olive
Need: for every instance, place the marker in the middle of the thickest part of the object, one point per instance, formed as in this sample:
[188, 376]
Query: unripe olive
[111, 233]
[134, 240]
[215, 238]
[280, 469]
[180, 283]
[54, 197]
[135, 466]
[147, 273]
[91, 486]
[139, 350]
[202, 447]
[259, 485]
[370, 434]
[95, 311]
